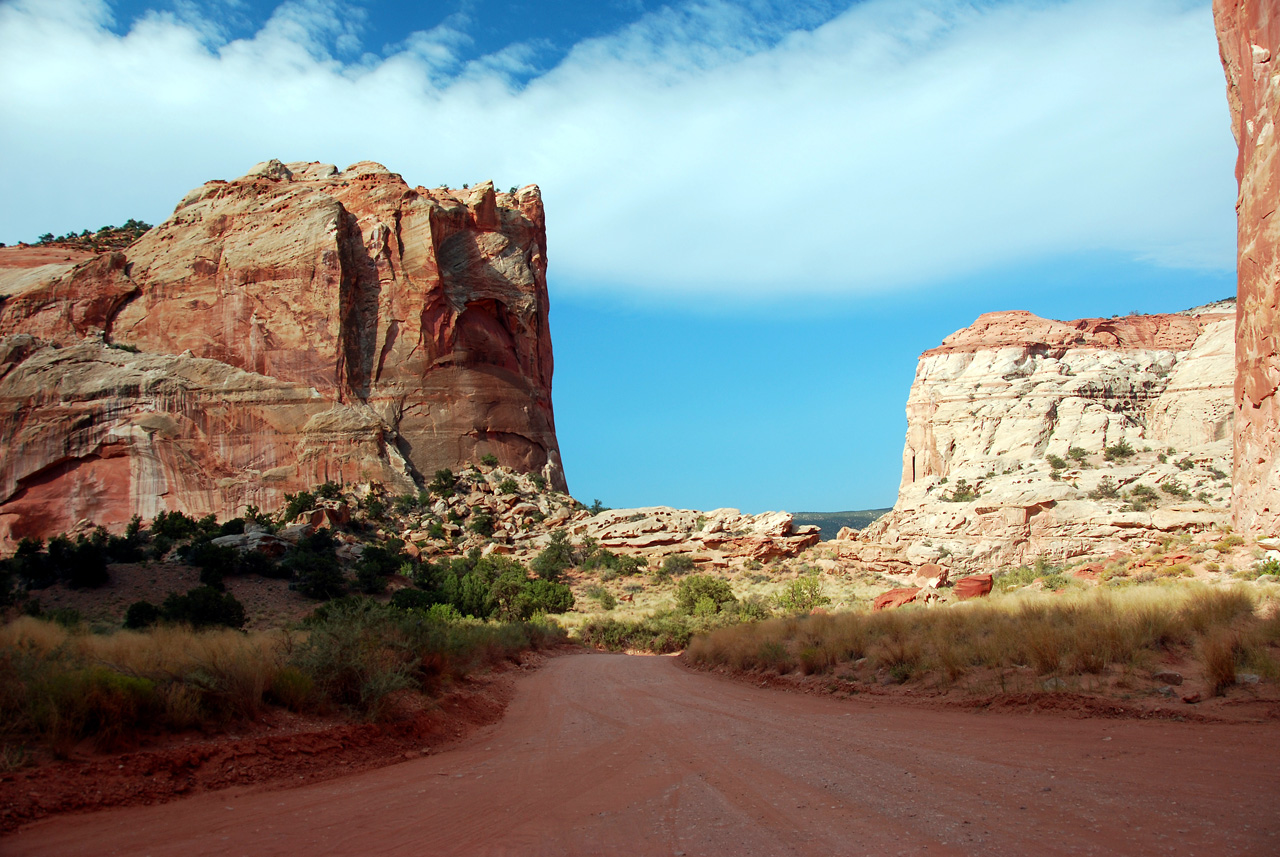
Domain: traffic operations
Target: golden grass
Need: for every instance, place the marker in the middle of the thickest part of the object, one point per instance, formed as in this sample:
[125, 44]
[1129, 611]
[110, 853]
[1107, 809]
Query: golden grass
[1077, 633]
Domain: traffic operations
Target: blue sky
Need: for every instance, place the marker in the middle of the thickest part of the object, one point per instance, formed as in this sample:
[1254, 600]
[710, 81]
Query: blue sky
[759, 213]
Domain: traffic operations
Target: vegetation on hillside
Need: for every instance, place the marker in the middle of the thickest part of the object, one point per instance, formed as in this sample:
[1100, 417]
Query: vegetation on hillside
[105, 238]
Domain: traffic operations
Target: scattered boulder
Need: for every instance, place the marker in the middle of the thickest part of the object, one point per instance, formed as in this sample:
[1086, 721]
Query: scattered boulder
[973, 586]
[895, 598]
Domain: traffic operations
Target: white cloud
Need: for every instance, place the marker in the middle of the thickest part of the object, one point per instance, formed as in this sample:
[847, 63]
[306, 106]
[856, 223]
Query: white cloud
[700, 149]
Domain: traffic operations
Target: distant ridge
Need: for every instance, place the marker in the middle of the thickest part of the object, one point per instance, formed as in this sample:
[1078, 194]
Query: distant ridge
[831, 522]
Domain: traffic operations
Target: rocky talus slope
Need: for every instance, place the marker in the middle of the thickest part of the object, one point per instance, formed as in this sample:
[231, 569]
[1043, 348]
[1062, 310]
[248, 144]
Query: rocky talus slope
[1030, 437]
[1249, 41]
[296, 325]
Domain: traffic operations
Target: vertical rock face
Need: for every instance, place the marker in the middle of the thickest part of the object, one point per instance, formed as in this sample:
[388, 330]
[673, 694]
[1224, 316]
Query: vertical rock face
[1249, 40]
[295, 325]
[1007, 426]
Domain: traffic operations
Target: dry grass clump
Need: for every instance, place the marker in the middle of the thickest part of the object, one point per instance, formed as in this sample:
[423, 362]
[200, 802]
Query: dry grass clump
[62, 686]
[1068, 634]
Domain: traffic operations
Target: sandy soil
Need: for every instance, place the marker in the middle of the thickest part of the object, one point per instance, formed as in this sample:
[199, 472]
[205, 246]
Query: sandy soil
[637, 755]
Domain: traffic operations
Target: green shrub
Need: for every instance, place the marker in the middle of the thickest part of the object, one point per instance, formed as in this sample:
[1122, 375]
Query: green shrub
[552, 561]
[314, 567]
[963, 493]
[443, 484]
[203, 607]
[481, 523]
[677, 564]
[1077, 454]
[802, 595]
[1119, 451]
[1055, 461]
[1174, 488]
[697, 587]
[508, 486]
[141, 614]
[489, 460]
[1106, 489]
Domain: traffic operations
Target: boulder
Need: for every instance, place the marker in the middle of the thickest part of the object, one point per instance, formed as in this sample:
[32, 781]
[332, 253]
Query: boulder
[895, 598]
[973, 586]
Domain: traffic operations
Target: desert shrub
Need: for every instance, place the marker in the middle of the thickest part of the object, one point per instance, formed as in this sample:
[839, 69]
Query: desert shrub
[314, 568]
[215, 562]
[377, 563]
[677, 564]
[539, 482]
[176, 526]
[489, 460]
[404, 504]
[330, 490]
[1055, 461]
[291, 688]
[1174, 488]
[1118, 451]
[1186, 463]
[296, 504]
[544, 596]
[443, 484]
[141, 614]
[203, 607]
[1077, 454]
[412, 599]
[697, 588]
[91, 702]
[508, 486]
[1106, 489]
[552, 561]
[606, 599]
[802, 594]
[660, 633]
[1143, 497]
[481, 523]
[963, 493]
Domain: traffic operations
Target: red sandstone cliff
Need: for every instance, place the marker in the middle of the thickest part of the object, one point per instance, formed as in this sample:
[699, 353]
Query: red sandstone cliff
[295, 325]
[1249, 40]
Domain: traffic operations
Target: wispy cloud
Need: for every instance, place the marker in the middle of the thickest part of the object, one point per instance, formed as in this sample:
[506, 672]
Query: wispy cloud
[707, 147]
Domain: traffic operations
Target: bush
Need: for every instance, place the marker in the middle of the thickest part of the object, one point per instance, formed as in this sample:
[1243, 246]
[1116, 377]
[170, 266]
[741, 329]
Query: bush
[1055, 461]
[1119, 451]
[1106, 489]
[677, 564]
[443, 484]
[963, 493]
[508, 486]
[802, 595]
[296, 504]
[141, 614]
[1174, 488]
[489, 460]
[481, 523]
[552, 561]
[1077, 454]
[697, 587]
[203, 607]
[314, 567]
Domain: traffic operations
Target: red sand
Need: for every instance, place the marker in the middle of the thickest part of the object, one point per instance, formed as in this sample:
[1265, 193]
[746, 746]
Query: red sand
[611, 754]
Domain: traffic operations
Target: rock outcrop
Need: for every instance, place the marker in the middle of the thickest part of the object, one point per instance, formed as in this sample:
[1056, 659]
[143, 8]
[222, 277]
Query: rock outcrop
[296, 325]
[1008, 423]
[1249, 41]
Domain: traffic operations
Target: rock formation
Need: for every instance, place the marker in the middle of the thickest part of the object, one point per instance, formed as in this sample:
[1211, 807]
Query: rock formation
[296, 325]
[1008, 423]
[1249, 41]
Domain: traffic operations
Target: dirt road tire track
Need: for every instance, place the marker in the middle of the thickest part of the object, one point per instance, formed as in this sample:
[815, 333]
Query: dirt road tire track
[610, 754]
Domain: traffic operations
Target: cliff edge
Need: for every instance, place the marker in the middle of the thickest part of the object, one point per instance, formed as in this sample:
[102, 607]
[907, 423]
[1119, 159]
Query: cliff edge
[296, 325]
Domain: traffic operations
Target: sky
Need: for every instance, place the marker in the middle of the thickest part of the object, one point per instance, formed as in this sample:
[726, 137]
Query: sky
[759, 213]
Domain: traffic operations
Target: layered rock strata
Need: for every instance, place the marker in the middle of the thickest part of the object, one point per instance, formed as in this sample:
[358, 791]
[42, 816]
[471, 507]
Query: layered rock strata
[1249, 40]
[1008, 423]
[296, 325]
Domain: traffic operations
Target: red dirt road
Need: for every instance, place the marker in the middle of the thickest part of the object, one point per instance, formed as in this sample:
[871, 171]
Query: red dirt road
[610, 754]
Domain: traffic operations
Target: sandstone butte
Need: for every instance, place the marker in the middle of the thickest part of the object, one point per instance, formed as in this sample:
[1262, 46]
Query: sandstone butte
[996, 403]
[296, 325]
[1249, 40]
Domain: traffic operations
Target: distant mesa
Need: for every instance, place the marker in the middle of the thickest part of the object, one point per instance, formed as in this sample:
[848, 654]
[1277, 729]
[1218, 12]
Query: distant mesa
[1029, 437]
[298, 325]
